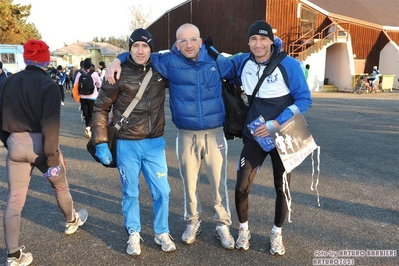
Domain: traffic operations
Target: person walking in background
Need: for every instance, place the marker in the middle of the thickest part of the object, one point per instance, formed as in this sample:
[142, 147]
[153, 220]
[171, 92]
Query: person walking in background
[197, 109]
[68, 86]
[60, 78]
[72, 75]
[76, 72]
[307, 67]
[88, 93]
[140, 145]
[375, 79]
[272, 101]
[51, 71]
[103, 69]
[75, 94]
[30, 127]
[3, 73]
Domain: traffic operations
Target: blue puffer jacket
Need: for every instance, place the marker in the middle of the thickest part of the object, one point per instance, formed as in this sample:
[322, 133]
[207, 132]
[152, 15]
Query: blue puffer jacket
[195, 88]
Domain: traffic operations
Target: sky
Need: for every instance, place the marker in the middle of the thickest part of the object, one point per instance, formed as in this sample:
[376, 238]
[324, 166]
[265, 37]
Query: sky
[71, 21]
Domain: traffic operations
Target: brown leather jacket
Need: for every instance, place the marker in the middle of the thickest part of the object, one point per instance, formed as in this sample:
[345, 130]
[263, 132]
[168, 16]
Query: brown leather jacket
[147, 120]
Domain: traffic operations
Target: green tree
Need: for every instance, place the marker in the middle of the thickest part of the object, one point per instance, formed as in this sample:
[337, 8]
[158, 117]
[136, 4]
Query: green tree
[13, 26]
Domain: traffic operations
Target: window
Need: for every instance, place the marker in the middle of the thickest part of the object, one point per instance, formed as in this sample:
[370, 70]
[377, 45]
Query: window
[8, 58]
[308, 20]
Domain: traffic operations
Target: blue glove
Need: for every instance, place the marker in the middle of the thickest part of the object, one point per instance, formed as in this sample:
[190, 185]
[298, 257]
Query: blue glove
[52, 172]
[103, 153]
[266, 143]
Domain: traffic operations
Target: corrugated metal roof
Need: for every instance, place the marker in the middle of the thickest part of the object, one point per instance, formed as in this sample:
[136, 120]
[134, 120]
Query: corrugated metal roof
[380, 12]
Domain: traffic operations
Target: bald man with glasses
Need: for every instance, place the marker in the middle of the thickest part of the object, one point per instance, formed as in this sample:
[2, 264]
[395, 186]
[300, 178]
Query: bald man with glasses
[197, 108]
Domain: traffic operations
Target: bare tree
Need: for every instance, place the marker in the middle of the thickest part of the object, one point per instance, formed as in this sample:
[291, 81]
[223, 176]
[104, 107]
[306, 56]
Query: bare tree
[140, 17]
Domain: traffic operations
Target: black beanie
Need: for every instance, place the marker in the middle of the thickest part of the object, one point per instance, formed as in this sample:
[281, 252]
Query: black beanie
[261, 27]
[59, 67]
[87, 63]
[141, 35]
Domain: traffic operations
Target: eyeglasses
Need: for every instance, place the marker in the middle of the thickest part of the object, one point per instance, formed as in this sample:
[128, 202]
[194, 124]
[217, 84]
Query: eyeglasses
[185, 41]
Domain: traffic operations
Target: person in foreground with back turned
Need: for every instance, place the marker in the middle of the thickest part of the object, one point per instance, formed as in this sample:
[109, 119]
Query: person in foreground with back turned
[140, 145]
[30, 128]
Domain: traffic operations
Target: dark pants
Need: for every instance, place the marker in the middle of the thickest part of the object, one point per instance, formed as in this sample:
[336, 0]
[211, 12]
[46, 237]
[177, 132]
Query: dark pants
[87, 107]
[251, 159]
[62, 92]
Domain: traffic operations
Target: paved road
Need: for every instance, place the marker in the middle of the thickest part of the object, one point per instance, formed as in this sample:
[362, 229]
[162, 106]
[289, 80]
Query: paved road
[359, 202]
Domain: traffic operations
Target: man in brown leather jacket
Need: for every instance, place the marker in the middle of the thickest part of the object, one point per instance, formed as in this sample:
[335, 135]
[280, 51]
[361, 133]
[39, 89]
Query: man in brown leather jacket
[140, 146]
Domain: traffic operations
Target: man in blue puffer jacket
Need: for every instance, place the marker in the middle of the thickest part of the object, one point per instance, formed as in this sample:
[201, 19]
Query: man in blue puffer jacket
[198, 112]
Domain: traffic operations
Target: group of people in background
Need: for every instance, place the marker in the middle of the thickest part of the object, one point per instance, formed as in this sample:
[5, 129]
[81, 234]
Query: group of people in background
[66, 75]
[197, 110]
[67, 79]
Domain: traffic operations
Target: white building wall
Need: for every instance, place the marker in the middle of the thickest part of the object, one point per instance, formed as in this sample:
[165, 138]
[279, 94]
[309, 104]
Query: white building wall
[334, 61]
[340, 66]
[389, 62]
[18, 51]
[317, 63]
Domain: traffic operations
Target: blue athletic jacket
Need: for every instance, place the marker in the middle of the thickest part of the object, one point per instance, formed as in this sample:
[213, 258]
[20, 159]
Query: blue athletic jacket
[278, 97]
[195, 88]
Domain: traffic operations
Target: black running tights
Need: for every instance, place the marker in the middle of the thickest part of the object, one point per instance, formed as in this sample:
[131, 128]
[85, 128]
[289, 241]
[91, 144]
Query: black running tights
[251, 159]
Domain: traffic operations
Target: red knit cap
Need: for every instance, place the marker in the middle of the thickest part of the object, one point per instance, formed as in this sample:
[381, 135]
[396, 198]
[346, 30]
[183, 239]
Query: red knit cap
[36, 52]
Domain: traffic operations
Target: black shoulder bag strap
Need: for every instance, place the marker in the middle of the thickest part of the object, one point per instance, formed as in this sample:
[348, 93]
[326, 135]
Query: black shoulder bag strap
[274, 62]
[214, 54]
[136, 99]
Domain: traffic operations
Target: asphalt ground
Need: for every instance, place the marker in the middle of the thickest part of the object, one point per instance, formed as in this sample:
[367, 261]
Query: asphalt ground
[358, 187]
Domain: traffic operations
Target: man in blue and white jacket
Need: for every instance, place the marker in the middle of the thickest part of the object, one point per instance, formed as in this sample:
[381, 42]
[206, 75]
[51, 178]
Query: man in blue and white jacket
[284, 87]
[198, 112]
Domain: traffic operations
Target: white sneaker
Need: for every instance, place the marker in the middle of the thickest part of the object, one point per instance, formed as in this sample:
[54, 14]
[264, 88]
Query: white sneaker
[23, 260]
[62, 103]
[133, 244]
[276, 244]
[164, 240]
[192, 230]
[244, 235]
[223, 234]
[80, 219]
[88, 132]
